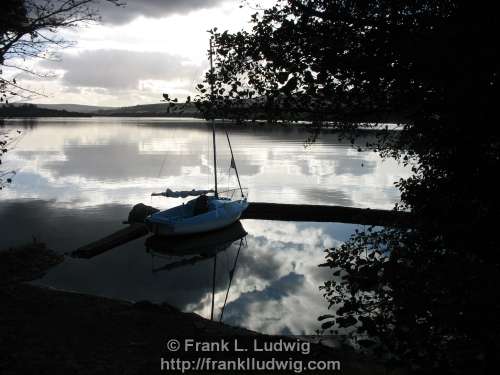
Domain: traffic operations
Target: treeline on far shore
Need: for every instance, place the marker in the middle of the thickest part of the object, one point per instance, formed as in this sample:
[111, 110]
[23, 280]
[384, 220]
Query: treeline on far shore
[31, 110]
[28, 110]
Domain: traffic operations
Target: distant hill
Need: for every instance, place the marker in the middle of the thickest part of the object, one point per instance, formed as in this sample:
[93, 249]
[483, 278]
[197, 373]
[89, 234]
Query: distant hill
[31, 110]
[74, 107]
[177, 110]
[75, 110]
[153, 110]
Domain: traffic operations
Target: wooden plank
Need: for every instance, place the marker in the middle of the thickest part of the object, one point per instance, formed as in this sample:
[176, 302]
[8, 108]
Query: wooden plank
[118, 238]
[336, 214]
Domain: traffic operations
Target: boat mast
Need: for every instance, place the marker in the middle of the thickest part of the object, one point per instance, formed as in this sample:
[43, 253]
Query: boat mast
[213, 115]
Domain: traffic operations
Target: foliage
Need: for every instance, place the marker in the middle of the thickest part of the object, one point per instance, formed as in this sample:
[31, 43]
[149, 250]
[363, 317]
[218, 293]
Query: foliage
[350, 61]
[413, 300]
[6, 141]
[429, 296]
[28, 30]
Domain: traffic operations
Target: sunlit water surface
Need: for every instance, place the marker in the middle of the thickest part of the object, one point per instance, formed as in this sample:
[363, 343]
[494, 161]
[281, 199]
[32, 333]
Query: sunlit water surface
[76, 180]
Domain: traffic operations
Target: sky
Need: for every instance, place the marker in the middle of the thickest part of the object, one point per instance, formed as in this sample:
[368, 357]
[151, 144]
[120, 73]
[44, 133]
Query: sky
[135, 53]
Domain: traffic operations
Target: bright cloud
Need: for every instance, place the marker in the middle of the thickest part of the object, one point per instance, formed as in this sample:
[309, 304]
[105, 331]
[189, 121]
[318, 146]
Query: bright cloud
[135, 53]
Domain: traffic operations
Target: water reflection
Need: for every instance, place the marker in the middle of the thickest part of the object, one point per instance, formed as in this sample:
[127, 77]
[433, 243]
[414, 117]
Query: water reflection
[103, 160]
[274, 290]
[77, 180]
[188, 250]
[197, 246]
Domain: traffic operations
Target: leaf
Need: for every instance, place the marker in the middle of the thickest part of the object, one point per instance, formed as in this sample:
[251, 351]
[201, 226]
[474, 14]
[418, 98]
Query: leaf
[346, 322]
[323, 317]
[329, 324]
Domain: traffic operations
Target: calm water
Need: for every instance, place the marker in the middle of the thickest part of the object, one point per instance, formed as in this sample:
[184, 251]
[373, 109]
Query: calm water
[78, 178]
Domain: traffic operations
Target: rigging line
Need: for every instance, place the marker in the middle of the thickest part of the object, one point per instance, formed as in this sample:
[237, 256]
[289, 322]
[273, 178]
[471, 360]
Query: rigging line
[209, 277]
[231, 275]
[213, 287]
[233, 162]
[229, 169]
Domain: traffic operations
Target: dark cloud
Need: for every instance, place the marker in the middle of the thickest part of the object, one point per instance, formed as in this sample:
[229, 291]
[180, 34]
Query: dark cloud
[150, 8]
[325, 193]
[121, 69]
[277, 290]
[258, 265]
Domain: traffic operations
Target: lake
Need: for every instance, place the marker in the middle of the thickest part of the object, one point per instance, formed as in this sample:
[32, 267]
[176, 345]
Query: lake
[76, 180]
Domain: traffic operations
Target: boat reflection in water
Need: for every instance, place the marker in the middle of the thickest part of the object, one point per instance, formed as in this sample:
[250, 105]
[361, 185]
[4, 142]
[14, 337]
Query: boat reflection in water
[198, 247]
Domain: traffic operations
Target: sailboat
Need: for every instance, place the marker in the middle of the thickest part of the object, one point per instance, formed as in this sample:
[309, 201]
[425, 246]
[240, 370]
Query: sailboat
[206, 212]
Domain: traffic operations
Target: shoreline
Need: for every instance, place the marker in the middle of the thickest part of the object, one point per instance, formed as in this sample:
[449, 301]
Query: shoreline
[363, 127]
[44, 329]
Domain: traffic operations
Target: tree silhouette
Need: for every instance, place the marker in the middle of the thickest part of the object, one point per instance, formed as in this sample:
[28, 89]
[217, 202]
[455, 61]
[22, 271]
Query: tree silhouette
[427, 297]
[28, 30]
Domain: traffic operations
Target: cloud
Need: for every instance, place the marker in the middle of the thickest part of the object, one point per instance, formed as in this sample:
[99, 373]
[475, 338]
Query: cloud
[150, 8]
[121, 69]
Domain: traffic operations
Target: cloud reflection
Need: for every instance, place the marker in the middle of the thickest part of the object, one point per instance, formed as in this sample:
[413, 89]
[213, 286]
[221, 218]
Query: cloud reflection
[77, 179]
[102, 160]
[275, 288]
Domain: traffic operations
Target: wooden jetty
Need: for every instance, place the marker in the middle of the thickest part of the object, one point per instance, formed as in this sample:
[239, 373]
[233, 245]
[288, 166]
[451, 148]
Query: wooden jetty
[334, 214]
[129, 233]
[260, 211]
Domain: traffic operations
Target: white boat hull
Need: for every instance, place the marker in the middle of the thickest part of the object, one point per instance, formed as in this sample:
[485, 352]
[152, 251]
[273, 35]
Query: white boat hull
[180, 220]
